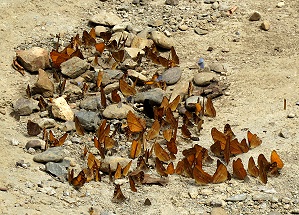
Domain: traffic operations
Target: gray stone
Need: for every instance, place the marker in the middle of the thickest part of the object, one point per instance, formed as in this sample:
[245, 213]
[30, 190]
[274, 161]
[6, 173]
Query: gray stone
[154, 95]
[162, 40]
[91, 103]
[72, 88]
[58, 169]
[218, 211]
[200, 31]
[105, 18]
[256, 16]
[237, 198]
[68, 126]
[260, 197]
[265, 25]
[111, 76]
[217, 67]
[35, 144]
[33, 59]
[55, 154]
[74, 67]
[116, 111]
[43, 85]
[192, 100]
[46, 122]
[274, 213]
[204, 78]
[171, 75]
[88, 119]
[61, 109]
[25, 107]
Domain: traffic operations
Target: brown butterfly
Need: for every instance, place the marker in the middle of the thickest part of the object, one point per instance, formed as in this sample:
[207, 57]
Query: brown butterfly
[126, 89]
[253, 140]
[160, 152]
[160, 168]
[276, 159]
[88, 39]
[103, 97]
[118, 196]
[135, 124]
[79, 180]
[135, 149]
[170, 169]
[238, 169]
[79, 128]
[201, 177]
[154, 130]
[209, 108]
[221, 173]
[115, 97]
[132, 184]
[252, 168]
[56, 142]
[100, 47]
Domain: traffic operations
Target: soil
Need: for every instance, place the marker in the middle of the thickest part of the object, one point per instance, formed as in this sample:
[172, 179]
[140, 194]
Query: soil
[263, 71]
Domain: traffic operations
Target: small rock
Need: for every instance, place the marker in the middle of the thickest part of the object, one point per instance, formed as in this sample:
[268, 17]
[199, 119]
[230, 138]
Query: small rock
[291, 115]
[295, 211]
[274, 199]
[62, 110]
[171, 75]
[120, 27]
[74, 67]
[181, 88]
[284, 133]
[193, 192]
[215, 5]
[113, 160]
[72, 89]
[204, 78]
[218, 211]
[31, 151]
[46, 122]
[237, 198]
[200, 31]
[256, 16]
[48, 190]
[162, 40]
[274, 213]
[110, 87]
[14, 142]
[55, 154]
[260, 197]
[105, 18]
[33, 59]
[116, 111]
[111, 76]
[68, 126]
[99, 29]
[56, 169]
[35, 144]
[147, 202]
[265, 25]
[286, 200]
[217, 67]
[183, 27]
[43, 85]
[172, 2]
[25, 107]
[280, 4]
[154, 95]
[206, 192]
[138, 75]
[217, 203]
[192, 100]
[156, 23]
[133, 52]
[91, 103]
[88, 119]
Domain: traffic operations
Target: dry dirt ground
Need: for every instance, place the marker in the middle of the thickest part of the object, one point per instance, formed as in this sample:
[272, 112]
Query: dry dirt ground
[263, 71]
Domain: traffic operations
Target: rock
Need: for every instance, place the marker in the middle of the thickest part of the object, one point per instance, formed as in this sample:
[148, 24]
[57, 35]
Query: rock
[106, 18]
[291, 115]
[74, 67]
[33, 59]
[206, 192]
[193, 192]
[24, 107]
[260, 197]
[280, 4]
[217, 67]
[156, 23]
[172, 2]
[215, 5]
[113, 160]
[110, 87]
[138, 75]
[154, 95]
[265, 25]
[274, 213]
[200, 31]
[72, 89]
[68, 126]
[140, 42]
[48, 190]
[192, 100]
[162, 40]
[295, 211]
[181, 88]
[43, 85]
[61, 109]
[88, 119]
[204, 78]
[55, 154]
[46, 122]
[120, 27]
[217, 202]
[35, 144]
[116, 111]
[284, 133]
[133, 52]
[99, 29]
[256, 16]
[171, 75]
[58, 169]
[111, 76]
[218, 211]
[14, 142]
[183, 27]
[91, 103]
[237, 198]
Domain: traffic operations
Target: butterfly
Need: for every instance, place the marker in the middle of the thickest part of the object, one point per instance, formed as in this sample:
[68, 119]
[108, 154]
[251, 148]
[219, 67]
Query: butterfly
[238, 169]
[118, 196]
[135, 124]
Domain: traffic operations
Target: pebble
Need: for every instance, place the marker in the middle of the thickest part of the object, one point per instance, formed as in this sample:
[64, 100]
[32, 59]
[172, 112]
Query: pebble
[274, 213]
[25, 107]
[62, 110]
[111, 76]
[291, 115]
[172, 2]
[217, 67]
[192, 100]
[133, 52]
[295, 211]
[274, 199]
[161, 40]
[138, 75]
[200, 31]
[106, 18]
[110, 87]
[218, 211]
[35, 144]
[206, 192]
[204, 78]
[217, 203]
[181, 88]
[48, 190]
[74, 67]
[183, 27]
[14, 142]
[55, 154]
[156, 23]
[68, 126]
[193, 192]
[215, 5]
[237, 198]
[33, 59]
[116, 111]
[280, 4]
[260, 197]
[154, 95]
[265, 25]
[256, 16]
[43, 85]
[46, 122]
[88, 119]
[31, 151]
[57, 169]
[92, 103]
[120, 27]
[99, 29]
[72, 89]
[171, 75]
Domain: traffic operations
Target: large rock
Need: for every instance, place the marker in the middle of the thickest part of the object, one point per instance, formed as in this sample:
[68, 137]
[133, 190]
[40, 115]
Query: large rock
[154, 95]
[55, 154]
[61, 109]
[106, 18]
[88, 119]
[43, 85]
[24, 107]
[204, 78]
[116, 111]
[33, 59]
[160, 39]
[74, 67]
[91, 103]
[58, 169]
[172, 75]
[111, 76]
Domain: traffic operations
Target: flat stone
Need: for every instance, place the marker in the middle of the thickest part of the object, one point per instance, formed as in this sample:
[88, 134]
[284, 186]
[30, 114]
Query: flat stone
[33, 59]
[154, 95]
[192, 100]
[57, 169]
[204, 78]
[25, 107]
[265, 25]
[256, 16]
[43, 85]
[120, 27]
[260, 197]
[35, 144]
[92, 103]
[55, 154]
[110, 87]
[156, 23]
[61, 109]
[74, 67]
[171, 75]
[162, 40]
[138, 75]
[116, 111]
[200, 31]
[274, 213]
[218, 211]
[217, 67]
[106, 18]
[46, 122]
[237, 198]
[111, 76]
[88, 119]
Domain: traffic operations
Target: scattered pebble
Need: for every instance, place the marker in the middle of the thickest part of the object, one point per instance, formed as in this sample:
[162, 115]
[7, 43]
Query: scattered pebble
[204, 78]
[237, 198]
[265, 25]
[35, 144]
[55, 154]
[256, 16]
[172, 75]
